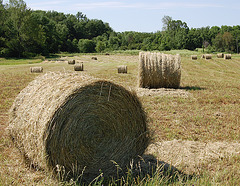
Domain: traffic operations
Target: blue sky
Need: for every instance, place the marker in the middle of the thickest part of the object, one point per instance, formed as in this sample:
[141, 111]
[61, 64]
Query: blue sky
[146, 15]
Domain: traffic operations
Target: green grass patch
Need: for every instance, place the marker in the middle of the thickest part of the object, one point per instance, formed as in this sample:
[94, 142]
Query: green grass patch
[4, 61]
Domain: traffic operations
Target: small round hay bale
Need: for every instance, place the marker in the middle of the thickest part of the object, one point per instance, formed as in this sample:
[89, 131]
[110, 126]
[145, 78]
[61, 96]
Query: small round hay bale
[107, 54]
[78, 124]
[208, 56]
[36, 69]
[220, 55]
[78, 67]
[193, 57]
[94, 58]
[72, 62]
[122, 69]
[227, 56]
[158, 70]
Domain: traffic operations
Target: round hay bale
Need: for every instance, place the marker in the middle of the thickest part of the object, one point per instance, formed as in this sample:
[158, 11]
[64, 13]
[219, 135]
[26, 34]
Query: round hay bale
[36, 69]
[78, 124]
[94, 58]
[220, 55]
[122, 69]
[158, 70]
[193, 57]
[227, 56]
[208, 56]
[72, 62]
[78, 67]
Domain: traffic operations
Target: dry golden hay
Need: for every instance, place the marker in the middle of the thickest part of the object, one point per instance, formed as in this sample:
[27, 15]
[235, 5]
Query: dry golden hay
[74, 122]
[78, 67]
[193, 57]
[220, 55]
[36, 69]
[94, 58]
[158, 70]
[227, 56]
[122, 69]
[208, 56]
[72, 62]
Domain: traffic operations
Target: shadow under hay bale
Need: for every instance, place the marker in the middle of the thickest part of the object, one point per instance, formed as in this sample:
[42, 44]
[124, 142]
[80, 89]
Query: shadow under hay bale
[220, 55]
[193, 57]
[227, 56]
[122, 69]
[36, 69]
[158, 70]
[72, 124]
[72, 62]
[78, 67]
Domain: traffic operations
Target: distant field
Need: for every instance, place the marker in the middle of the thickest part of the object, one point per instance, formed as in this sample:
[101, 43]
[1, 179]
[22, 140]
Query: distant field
[195, 128]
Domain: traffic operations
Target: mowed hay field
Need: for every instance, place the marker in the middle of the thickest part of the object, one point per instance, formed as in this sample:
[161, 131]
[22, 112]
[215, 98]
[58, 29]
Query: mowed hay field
[196, 128]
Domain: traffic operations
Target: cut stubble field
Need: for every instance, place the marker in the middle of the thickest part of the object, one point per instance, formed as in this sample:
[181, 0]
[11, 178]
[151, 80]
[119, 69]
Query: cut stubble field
[195, 128]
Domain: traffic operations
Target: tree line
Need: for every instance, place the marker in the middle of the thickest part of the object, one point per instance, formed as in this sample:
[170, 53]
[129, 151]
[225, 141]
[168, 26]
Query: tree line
[27, 33]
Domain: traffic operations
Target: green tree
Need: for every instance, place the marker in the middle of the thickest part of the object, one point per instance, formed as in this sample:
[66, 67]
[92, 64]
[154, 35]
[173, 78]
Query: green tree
[86, 46]
[100, 46]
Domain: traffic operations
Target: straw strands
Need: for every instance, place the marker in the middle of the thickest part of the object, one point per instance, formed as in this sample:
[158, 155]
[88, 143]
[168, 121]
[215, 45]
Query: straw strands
[122, 69]
[158, 70]
[36, 69]
[78, 67]
[78, 124]
[227, 56]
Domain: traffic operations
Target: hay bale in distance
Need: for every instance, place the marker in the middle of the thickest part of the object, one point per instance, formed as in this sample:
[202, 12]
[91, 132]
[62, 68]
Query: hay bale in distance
[193, 57]
[78, 67]
[122, 69]
[227, 56]
[72, 62]
[36, 69]
[79, 123]
[94, 58]
[208, 56]
[220, 55]
[158, 70]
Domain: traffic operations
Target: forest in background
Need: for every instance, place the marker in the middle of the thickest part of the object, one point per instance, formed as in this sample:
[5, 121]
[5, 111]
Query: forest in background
[28, 33]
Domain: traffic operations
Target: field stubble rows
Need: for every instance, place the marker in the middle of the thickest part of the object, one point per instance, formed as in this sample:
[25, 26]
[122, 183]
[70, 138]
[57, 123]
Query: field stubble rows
[204, 112]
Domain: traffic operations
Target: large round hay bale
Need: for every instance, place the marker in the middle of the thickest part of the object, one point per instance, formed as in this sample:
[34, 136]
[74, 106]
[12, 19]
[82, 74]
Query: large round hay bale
[220, 55]
[36, 69]
[122, 69]
[78, 67]
[227, 56]
[158, 70]
[78, 124]
[193, 57]
[208, 56]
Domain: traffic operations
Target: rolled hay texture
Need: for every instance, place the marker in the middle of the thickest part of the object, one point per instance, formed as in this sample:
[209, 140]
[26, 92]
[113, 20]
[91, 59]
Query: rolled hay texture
[72, 62]
[78, 67]
[122, 69]
[78, 124]
[193, 57]
[208, 56]
[36, 69]
[220, 55]
[227, 56]
[158, 70]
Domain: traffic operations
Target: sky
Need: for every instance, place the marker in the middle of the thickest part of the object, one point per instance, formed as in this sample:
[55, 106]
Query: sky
[146, 15]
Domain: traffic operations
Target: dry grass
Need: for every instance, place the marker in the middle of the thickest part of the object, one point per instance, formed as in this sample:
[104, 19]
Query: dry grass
[207, 116]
